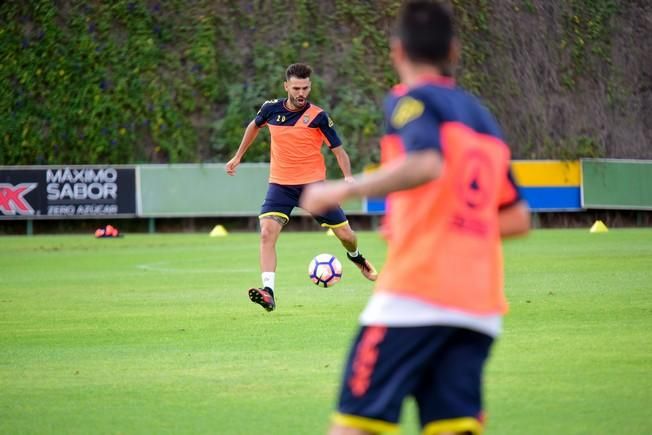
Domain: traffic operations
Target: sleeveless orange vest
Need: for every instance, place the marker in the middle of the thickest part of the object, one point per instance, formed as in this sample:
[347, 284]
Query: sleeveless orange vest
[444, 244]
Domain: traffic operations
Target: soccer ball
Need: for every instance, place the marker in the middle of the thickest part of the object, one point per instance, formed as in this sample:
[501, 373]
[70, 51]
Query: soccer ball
[325, 270]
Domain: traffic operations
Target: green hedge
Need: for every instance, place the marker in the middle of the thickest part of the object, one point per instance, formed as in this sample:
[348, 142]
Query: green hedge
[176, 81]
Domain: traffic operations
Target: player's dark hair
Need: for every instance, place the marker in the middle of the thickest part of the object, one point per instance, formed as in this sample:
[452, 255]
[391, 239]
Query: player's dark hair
[298, 70]
[426, 30]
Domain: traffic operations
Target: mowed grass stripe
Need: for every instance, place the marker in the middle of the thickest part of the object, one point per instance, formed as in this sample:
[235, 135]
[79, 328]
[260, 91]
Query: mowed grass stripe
[155, 334]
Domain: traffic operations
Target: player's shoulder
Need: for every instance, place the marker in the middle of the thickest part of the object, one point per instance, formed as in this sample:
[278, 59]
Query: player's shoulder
[406, 104]
[480, 117]
[441, 99]
[320, 117]
[275, 101]
[394, 96]
[271, 105]
[395, 93]
[418, 98]
[435, 94]
[317, 112]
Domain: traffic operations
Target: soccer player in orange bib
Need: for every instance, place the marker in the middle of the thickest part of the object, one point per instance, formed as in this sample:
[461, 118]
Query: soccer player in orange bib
[298, 129]
[438, 303]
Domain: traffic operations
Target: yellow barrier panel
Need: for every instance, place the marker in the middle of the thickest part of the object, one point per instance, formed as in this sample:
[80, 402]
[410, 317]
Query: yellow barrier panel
[540, 173]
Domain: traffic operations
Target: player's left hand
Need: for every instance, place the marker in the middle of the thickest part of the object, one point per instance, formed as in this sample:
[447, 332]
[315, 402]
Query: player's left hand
[317, 198]
[349, 179]
[231, 165]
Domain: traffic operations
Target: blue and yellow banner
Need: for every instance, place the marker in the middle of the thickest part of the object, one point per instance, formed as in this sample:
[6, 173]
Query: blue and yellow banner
[549, 185]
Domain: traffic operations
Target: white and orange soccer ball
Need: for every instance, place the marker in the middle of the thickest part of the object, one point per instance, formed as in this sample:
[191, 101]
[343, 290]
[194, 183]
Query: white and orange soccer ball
[325, 270]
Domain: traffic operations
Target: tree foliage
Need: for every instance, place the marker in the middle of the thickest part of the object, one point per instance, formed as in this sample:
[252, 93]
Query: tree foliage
[131, 81]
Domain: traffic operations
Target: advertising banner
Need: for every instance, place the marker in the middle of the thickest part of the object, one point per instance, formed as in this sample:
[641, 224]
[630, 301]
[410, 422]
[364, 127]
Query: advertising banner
[67, 192]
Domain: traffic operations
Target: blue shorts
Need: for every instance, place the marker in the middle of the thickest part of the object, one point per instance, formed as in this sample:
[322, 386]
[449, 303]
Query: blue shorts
[440, 366]
[281, 200]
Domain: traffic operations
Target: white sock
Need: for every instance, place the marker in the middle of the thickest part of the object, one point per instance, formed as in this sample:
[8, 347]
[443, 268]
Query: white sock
[268, 279]
[354, 253]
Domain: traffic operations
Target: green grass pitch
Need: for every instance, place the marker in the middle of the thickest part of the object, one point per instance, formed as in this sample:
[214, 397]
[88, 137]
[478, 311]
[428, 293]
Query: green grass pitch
[155, 334]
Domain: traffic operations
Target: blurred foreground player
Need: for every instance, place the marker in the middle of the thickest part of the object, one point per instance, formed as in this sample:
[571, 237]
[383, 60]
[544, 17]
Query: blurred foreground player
[438, 304]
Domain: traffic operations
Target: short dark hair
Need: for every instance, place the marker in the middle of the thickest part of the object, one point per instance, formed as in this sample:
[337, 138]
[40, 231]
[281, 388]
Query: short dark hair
[426, 30]
[298, 70]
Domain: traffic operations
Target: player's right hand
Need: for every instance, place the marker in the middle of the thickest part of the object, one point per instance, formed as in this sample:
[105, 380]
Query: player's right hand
[231, 165]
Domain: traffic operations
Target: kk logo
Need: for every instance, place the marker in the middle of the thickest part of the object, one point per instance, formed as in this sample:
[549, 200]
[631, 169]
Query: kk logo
[12, 198]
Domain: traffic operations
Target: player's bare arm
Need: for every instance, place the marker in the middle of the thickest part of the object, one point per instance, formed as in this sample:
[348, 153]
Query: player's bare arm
[247, 139]
[514, 220]
[344, 163]
[416, 169]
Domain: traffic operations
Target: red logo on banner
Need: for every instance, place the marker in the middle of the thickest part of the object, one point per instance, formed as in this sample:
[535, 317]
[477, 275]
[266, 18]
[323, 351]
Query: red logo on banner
[12, 198]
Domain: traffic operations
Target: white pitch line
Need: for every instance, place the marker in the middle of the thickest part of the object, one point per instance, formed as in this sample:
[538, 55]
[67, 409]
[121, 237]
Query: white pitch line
[163, 266]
